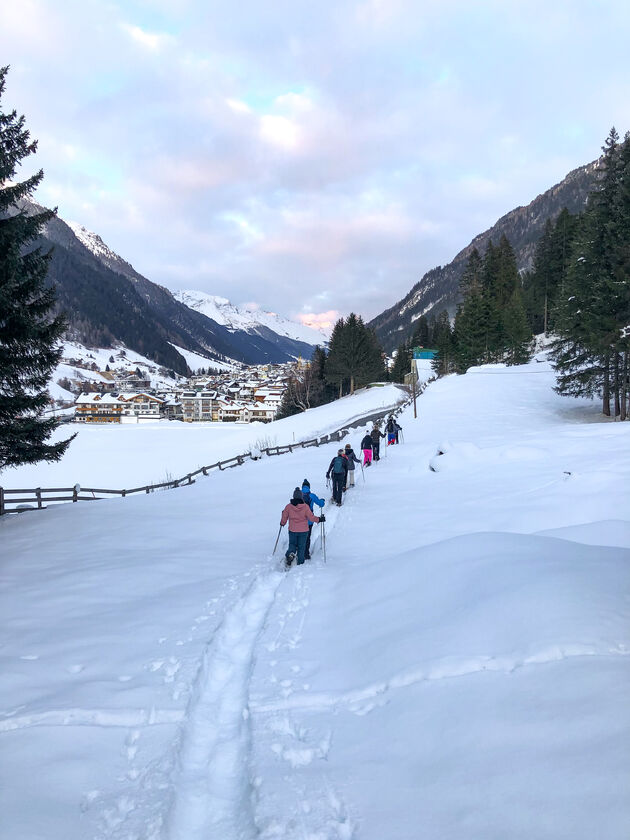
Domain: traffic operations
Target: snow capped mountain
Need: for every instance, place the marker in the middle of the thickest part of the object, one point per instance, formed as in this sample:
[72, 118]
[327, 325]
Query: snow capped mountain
[224, 312]
[93, 242]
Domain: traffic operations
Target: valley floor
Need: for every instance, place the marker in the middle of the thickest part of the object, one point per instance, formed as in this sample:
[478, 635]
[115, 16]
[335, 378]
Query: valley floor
[457, 669]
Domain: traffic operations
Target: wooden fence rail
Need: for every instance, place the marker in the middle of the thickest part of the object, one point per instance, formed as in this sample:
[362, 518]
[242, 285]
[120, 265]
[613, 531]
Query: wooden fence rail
[38, 497]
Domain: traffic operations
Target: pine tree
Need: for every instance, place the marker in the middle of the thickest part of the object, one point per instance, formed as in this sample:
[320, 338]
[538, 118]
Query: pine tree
[592, 312]
[420, 336]
[518, 335]
[492, 304]
[472, 278]
[354, 355]
[622, 279]
[29, 335]
[402, 363]
[469, 334]
[443, 361]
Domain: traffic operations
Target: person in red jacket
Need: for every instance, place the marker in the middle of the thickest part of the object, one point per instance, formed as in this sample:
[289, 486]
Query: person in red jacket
[298, 515]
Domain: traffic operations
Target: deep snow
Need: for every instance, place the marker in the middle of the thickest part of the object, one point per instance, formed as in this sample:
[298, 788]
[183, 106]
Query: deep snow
[457, 669]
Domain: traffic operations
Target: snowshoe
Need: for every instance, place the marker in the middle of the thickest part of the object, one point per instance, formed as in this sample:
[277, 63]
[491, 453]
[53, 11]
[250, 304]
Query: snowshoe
[289, 560]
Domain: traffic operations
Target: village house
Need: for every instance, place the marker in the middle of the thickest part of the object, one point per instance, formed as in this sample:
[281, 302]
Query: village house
[140, 407]
[98, 408]
[130, 381]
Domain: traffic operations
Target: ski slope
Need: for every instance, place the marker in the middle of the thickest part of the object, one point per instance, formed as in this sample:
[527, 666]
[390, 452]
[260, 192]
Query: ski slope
[457, 670]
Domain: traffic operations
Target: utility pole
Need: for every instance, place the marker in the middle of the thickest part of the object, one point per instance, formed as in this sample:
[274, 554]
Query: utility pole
[413, 385]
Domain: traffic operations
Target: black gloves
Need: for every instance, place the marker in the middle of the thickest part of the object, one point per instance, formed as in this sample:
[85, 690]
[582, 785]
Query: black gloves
[322, 518]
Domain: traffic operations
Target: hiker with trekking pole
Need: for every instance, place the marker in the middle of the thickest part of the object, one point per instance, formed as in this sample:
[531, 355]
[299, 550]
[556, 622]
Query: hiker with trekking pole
[376, 436]
[338, 471]
[298, 514]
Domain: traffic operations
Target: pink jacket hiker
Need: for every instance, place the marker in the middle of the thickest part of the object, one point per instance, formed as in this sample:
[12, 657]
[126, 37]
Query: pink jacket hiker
[299, 515]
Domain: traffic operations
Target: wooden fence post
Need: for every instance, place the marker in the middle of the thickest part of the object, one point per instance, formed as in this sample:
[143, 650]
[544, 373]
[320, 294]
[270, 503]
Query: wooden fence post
[38, 495]
[1, 500]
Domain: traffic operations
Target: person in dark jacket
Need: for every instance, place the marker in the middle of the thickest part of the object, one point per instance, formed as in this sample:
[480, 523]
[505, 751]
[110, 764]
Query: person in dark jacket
[366, 446]
[338, 471]
[298, 515]
[310, 499]
[376, 436]
[352, 460]
[391, 431]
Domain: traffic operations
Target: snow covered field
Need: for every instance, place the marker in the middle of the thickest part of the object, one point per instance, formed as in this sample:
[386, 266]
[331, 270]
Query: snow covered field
[457, 670]
[116, 456]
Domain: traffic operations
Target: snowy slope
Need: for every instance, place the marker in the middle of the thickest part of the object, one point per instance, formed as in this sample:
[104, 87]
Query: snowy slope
[195, 361]
[126, 362]
[458, 669]
[223, 312]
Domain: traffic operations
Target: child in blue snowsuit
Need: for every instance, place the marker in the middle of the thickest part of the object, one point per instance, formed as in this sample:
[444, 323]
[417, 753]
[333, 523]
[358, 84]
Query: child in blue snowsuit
[310, 499]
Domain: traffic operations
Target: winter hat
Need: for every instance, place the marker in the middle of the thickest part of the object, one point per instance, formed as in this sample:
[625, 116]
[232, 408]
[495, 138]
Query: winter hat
[348, 446]
[297, 494]
[340, 452]
[306, 483]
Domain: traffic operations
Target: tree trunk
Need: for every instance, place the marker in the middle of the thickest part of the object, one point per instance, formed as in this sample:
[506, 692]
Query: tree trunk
[340, 388]
[352, 384]
[616, 383]
[624, 386]
[606, 388]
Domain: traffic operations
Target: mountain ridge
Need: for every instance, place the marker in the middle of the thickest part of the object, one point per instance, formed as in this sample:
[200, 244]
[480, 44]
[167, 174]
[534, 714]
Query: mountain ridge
[108, 302]
[438, 288]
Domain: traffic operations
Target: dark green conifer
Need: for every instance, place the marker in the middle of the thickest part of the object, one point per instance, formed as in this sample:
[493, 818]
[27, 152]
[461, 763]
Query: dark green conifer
[29, 336]
[444, 360]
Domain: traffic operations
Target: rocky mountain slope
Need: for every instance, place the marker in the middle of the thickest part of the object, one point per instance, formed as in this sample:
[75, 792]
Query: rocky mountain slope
[109, 303]
[438, 288]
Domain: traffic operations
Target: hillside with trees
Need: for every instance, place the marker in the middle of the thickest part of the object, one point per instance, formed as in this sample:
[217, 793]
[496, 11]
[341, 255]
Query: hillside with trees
[439, 288]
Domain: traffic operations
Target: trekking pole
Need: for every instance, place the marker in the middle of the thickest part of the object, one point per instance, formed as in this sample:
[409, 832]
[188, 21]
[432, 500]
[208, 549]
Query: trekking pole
[363, 472]
[277, 538]
[324, 540]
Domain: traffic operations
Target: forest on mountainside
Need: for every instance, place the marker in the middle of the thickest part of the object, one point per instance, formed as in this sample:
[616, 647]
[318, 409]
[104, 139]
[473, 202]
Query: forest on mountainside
[577, 293]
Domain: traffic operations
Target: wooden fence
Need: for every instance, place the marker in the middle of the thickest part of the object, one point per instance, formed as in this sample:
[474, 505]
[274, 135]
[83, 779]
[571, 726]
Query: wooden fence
[16, 501]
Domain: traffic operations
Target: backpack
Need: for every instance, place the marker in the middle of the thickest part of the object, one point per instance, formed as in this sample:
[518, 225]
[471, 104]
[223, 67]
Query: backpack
[338, 466]
[307, 499]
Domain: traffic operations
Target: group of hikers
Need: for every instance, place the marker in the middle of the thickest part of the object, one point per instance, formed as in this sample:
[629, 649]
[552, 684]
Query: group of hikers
[299, 512]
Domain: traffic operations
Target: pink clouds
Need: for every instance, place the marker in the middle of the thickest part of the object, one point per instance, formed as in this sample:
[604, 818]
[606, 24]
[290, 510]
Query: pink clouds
[319, 320]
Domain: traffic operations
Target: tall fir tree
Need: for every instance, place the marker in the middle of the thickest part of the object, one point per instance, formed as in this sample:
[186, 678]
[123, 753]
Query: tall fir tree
[402, 363]
[444, 359]
[29, 335]
[592, 313]
[516, 330]
[420, 335]
[355, 355]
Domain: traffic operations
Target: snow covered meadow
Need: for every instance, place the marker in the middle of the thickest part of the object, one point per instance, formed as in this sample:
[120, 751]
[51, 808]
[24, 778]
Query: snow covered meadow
[457, 669]
[116, 456]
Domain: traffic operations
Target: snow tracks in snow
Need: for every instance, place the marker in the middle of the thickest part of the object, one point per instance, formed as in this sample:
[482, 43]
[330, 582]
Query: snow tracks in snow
[213, 795]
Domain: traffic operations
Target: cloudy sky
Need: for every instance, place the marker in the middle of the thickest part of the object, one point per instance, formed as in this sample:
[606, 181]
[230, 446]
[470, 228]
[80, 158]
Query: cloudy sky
[313, 157]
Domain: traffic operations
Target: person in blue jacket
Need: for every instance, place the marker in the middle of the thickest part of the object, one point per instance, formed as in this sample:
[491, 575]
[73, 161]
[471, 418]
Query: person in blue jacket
[310, 499]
